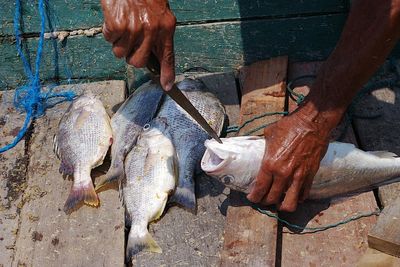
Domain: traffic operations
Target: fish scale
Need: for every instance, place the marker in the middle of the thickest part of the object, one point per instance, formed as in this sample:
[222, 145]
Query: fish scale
[188, 136]
[344, 170]
[150, 176]
[81, 143]
[127, 123]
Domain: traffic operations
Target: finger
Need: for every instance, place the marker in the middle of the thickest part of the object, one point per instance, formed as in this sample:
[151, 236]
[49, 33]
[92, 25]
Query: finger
[140, 56]
[167, 63]
[110, 36]
[274, 195]
[292, 196]
[123, 46]
[306, 188]
[261, 187]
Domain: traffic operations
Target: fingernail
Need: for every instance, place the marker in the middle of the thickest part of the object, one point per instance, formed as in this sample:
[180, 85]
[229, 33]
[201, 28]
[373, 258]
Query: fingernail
[168, 86]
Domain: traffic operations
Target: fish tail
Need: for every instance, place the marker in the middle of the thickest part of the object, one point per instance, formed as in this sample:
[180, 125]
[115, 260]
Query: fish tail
[138, 242]
[79, 195]
[185, 197]
[111, 176]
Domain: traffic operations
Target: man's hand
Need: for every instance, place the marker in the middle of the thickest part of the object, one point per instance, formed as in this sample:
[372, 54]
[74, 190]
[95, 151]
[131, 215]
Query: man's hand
[295, 147]
[138, 27]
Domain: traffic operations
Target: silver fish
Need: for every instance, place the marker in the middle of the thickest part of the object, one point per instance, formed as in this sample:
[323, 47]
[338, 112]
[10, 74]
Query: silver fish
[344, 169]
[81, 143]
[188, 137]
[127, 123]
[151, 173]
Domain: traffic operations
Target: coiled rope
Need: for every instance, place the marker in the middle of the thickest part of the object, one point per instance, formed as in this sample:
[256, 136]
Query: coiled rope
[29, 98]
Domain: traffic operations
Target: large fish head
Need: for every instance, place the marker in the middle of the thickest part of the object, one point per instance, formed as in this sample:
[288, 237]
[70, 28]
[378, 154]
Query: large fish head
[191, 85]
[233, 162]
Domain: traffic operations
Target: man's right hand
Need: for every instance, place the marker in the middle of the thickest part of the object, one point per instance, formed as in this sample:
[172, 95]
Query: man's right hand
[138, 27]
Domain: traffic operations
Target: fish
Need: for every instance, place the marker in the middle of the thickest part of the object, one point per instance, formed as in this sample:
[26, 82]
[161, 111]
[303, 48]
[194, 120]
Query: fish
[188, 136]
[151, 172]
[127, 123]
[82, 140]
[344, 170]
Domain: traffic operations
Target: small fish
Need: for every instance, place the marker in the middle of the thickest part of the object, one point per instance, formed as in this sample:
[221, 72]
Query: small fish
[188, 137]
[127, 123]
[151, 173]
[344, 170]
[81, 143]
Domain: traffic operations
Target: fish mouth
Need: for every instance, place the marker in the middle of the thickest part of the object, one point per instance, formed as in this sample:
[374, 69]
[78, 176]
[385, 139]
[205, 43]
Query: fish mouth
[212, 162]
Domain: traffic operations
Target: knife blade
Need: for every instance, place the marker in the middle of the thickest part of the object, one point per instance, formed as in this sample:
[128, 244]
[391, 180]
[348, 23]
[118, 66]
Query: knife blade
[153, 65]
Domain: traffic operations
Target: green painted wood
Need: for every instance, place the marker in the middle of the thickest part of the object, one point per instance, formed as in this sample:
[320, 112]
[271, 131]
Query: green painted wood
[77, 14]
[201, 10]
[65, 15]
[88, 58]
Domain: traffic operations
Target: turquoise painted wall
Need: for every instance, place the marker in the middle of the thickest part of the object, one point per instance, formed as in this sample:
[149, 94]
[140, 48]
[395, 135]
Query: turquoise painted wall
[218, 35]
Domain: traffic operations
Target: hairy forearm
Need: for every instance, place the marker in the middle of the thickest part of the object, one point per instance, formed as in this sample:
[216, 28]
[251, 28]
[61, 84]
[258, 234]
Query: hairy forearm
[370, 33]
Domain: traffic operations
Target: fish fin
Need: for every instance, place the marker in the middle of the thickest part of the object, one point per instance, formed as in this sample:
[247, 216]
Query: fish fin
[185, 198]
[383, 154]
[56, 149]
[138, 242]
[161, 210]
[66, 169]
[78, 195]
[111, 176]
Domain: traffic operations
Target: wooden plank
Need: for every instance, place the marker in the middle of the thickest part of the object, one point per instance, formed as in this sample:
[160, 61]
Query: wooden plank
[380, 133]
[250, 237]
[385, 236]
[188, 239]
[374, 258]
[13, 165]
[339, 246]
[85, 57]
[88, 13]
[49, 237]
[64, 15]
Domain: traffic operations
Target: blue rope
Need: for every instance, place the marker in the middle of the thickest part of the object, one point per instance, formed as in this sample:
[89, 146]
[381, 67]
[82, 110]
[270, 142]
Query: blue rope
[29, 98]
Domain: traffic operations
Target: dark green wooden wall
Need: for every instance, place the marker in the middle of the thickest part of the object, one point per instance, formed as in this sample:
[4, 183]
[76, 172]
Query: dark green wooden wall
[219, 35]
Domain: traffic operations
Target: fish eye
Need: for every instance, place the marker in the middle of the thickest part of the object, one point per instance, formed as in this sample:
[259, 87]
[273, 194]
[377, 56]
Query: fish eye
[146, 126]
[227, 179]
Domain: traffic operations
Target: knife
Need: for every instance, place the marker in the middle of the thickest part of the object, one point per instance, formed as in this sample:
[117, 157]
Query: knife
[153, 65]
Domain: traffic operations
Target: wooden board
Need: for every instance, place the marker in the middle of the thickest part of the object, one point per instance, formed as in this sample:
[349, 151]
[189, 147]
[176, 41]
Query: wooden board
[188, 239]
[385, 236]
[76, 14]
[13, 165]
[374, 258]
[339, 246]
[250, 237]
[380, 133]
[49, 237]
[84, 57]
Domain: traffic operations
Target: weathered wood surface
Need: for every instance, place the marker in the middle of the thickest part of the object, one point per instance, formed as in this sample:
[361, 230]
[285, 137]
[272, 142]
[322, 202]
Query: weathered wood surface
[75, 14]
[339, 246]
[49, 237]
[385, 236]
[375, 258]
[80, 57]
[188, 239]
[13, 165]
[381, 132]
[250, 237]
